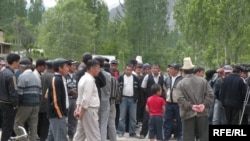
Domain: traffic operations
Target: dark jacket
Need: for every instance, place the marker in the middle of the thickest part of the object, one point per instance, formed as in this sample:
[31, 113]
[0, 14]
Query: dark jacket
[135, 83]
[8, 87]
[233, 91]
[71, 84]
[171, 96]
[151, 82]
[217, 87]
[56, 98]
[99, 80]
[46, 79]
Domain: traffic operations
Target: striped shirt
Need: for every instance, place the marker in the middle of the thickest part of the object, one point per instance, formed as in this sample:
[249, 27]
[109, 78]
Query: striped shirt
[29, 88]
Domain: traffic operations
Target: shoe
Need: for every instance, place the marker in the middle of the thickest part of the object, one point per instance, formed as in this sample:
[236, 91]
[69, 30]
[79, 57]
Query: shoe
[142, 137]
[133, 135]
[120, 135]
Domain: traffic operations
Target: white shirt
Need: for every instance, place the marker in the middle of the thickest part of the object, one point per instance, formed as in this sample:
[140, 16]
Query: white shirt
[66, 91]
[174, 78]
[128, 86]
[87, 92]
[37, 74]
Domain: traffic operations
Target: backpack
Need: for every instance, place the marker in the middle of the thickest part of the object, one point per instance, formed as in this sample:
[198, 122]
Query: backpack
[115, 95]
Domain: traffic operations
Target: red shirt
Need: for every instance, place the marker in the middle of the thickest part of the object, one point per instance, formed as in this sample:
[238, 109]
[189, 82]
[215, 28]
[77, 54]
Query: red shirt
[155, 104]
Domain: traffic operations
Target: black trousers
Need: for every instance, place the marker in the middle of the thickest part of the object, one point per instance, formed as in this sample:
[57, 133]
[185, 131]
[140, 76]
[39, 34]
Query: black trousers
[232, 115]
[117, 116]
[144, 129]
[8, 114]
[43, 126]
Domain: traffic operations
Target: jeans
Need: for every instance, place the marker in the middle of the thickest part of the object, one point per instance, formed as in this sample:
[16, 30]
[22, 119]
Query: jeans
[172, 113]
[219, 117]
[127, 105]
[155, 127]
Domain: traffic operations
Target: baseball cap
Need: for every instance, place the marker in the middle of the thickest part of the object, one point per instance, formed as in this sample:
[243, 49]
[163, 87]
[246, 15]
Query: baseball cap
[71, 61]
[228, 68]
[175, 66]
[146, 65]
[114, 62]
[25, 61]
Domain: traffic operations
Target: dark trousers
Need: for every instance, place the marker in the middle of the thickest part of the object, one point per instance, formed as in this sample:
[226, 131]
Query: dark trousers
[43, 126]
[232, 115]
[144, 129]
[155, 127]
[72, 121]
[1, 118]
[117, 107]
[172, 113]
[195, 126]
[140, 110]
[8, 114]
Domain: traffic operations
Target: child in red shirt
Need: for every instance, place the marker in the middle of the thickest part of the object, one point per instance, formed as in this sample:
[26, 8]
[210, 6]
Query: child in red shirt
[156, 107]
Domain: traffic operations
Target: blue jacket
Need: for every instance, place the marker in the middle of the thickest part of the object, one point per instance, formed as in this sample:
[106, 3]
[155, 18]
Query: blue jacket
[233, 91]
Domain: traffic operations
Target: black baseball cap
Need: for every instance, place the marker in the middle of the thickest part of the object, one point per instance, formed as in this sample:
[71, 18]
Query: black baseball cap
[175, 66]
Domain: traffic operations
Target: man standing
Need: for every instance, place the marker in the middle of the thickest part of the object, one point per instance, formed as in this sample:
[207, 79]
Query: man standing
[29, 90]
[43, 121]
[172, 113]
[71, 80]
[155, 77]
[88, 104]
[128, 84]
[104, 109]
[232, 96]
[116, 74]
[194, 97]
[58, 102]
[9, 95]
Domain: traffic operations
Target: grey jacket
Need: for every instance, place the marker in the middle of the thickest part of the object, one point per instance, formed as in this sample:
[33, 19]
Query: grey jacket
[193, 90]
[105, 91]
[171, 93]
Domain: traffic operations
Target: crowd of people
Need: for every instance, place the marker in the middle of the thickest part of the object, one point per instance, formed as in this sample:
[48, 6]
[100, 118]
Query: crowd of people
[63, 99]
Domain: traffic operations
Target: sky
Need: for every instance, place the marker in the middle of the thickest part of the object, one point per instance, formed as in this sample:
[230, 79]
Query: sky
[111, 3]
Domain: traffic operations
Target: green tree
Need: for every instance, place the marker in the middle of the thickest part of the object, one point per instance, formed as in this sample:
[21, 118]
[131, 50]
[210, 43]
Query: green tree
[100, 10]
[146, 21]
[35, 11]
[10, 10]
[67, 30]
[26, 35]
[216, 30]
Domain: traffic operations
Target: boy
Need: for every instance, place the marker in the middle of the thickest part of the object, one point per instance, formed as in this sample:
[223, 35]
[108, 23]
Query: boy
[156, 107]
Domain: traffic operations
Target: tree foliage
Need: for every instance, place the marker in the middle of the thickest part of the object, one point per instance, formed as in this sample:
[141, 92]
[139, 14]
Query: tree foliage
[216, 30]
[146, 22]
[67, 30]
